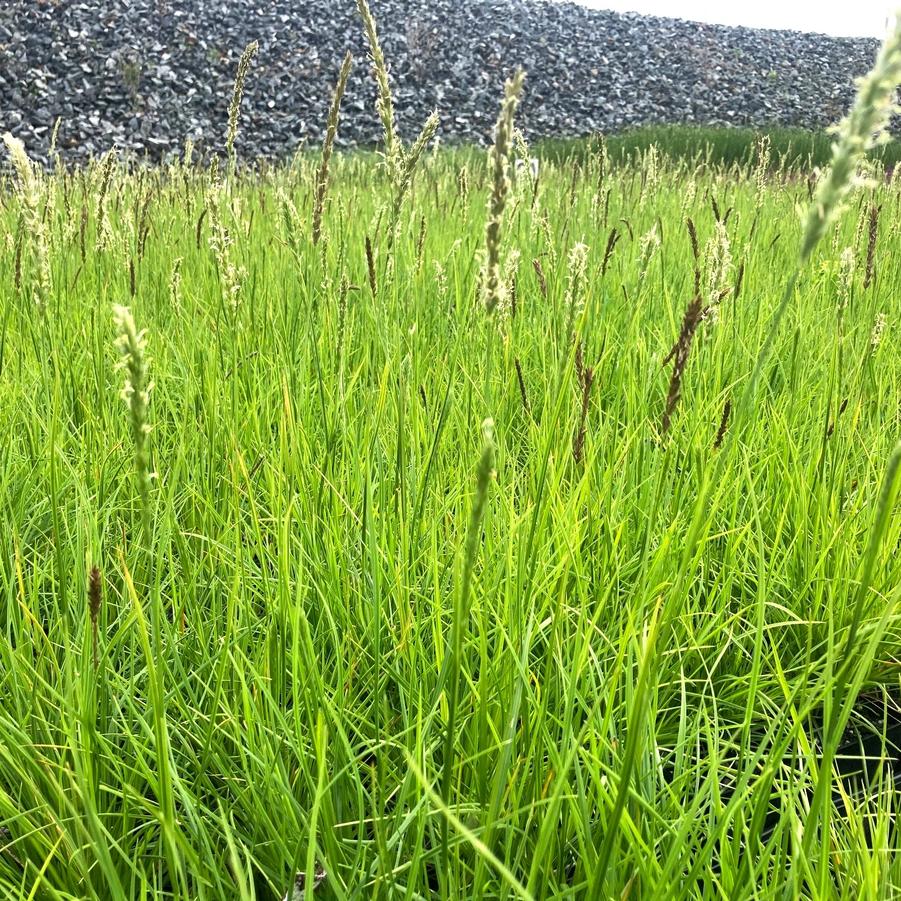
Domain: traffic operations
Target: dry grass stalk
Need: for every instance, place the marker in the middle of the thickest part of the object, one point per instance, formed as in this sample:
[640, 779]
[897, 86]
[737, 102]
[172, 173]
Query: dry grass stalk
[420, 244]
[522, 385]
[695, 251]
[739, 279]
[585, 376]
[95, 598]
[841, 409]
[872, 234]
[542, 281]
[612, 240]
[724, 424]
[370, 266]
[679, 356]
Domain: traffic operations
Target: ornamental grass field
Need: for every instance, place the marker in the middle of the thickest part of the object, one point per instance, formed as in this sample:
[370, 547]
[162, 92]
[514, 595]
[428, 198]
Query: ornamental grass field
[434, 524]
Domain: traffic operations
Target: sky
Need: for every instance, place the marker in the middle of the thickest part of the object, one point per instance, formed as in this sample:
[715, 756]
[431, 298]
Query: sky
[839, 17]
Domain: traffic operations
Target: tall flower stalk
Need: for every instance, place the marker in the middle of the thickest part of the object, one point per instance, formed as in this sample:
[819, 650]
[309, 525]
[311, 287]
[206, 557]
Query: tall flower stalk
[234, 108]
[33, 193]
[133, 359]
[861, 130]
[493, 286]
[328, 144]
[384, 104]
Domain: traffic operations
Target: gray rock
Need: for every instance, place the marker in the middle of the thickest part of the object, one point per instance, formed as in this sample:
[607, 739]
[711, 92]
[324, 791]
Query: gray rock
[149, 73]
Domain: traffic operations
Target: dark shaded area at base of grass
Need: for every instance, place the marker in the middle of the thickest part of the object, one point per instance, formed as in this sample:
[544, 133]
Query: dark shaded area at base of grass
[791, 148]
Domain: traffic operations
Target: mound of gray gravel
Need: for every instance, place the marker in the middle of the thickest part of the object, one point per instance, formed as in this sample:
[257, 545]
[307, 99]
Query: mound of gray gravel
[147, 74]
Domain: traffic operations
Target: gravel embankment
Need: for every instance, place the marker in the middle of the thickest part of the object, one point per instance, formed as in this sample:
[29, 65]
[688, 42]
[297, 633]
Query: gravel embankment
[146, 74]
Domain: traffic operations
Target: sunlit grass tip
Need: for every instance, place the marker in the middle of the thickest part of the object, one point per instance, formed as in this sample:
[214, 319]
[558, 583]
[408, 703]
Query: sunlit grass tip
[861, 130]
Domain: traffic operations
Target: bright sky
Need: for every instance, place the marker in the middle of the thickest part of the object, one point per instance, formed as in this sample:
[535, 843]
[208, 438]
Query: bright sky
[840, 17]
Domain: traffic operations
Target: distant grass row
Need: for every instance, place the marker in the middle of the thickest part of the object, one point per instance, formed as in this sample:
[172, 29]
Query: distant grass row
[791, 148]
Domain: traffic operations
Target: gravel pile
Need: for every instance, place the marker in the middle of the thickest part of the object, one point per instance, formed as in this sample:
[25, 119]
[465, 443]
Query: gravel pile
[147, 74]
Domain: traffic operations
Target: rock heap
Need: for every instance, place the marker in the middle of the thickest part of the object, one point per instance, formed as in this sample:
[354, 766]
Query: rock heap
[147, 74]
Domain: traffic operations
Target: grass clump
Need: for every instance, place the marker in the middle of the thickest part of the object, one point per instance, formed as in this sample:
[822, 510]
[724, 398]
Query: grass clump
[610, 645]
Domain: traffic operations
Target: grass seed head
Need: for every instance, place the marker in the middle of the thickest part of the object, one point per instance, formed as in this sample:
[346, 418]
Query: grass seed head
[370, 266]
[408, 169]
[857, 133]
[234, 108]
[523, 394]
[612, 239]
[26, 172]
[384, 103]
[879, 325]
[585, 376]
[761, 169]
[718, 264]
[679, 356]
[95, 599]
[34, 196]
[132, 347]
[331, 130]
[724, 425]
[846, 267]
[539, 273]
[175, 284]
[231, 275]
[648, 245]
[499, 163]
[575, 278]
[511, 268]
[872, 234]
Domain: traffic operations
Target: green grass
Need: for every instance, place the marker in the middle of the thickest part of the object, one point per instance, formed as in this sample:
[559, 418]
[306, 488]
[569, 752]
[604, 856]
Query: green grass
[646, 638]
[792, 148]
